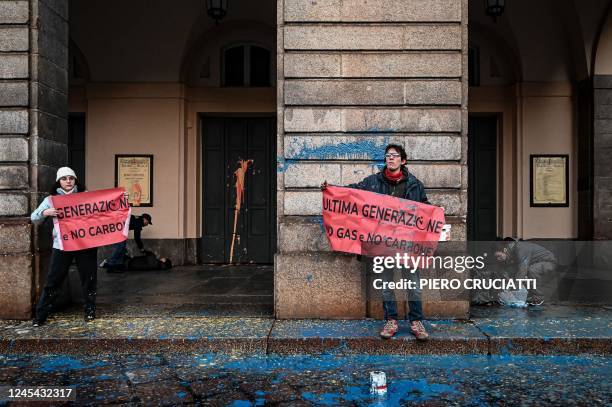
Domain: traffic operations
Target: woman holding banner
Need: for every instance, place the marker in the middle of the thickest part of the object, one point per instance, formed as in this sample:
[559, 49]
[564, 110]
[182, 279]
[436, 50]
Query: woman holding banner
[65, 183]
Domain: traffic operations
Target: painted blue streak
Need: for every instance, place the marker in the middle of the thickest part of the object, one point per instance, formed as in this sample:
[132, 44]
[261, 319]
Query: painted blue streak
[365, 148]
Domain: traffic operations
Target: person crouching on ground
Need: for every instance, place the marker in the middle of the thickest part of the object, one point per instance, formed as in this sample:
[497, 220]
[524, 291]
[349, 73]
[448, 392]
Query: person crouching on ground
[529, 260]
[86, 259]
[395, 180]
[114, 264]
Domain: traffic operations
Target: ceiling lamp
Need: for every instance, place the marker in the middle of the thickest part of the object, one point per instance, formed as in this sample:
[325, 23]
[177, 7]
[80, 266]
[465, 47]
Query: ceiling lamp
[494, 8]
[216, 9]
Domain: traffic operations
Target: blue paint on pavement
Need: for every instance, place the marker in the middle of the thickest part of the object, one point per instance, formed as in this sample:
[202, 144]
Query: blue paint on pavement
[330, 379]
[63, 363]
[241, 403]
[417, 391]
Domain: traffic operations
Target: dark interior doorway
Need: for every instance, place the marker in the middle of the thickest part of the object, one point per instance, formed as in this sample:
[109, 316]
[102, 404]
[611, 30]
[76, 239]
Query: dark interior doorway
[482, 178]
[226, 140]
[76, 144]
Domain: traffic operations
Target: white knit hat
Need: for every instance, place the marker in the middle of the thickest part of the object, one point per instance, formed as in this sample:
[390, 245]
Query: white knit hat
[65, 172]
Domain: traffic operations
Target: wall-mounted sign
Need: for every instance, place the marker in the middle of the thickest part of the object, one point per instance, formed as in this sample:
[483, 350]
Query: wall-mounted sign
[549, 180]
[134, 172]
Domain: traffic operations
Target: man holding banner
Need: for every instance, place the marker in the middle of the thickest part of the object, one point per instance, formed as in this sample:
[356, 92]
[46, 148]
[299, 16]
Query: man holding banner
[82, 221]
[369, 224]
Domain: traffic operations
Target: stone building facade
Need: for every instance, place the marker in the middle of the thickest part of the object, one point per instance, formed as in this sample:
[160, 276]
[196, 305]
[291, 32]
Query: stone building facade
[350, 76]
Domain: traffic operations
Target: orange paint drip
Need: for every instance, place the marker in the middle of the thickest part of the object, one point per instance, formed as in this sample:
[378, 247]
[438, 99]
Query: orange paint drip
[240, 173]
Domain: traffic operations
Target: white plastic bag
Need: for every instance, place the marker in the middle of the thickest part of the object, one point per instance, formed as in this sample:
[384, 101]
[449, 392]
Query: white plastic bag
[515, 299]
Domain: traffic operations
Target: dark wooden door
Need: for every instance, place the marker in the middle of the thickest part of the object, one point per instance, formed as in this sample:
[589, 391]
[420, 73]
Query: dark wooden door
[226, 140]
[482, 178]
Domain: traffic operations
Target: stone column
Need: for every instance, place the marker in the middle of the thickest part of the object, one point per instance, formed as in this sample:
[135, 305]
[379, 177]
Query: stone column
[33, 136]
[602, 157]
[354, 76]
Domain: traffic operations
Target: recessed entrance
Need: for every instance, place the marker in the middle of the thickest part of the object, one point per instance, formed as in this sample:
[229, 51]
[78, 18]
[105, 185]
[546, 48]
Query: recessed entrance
[482, 178]
[140, 87]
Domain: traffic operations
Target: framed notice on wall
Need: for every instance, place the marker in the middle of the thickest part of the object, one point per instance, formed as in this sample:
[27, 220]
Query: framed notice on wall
[134, 172]
[549, 180]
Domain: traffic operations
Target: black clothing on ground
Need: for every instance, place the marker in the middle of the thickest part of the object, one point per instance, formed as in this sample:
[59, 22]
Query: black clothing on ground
[148, 261]
[86, 261]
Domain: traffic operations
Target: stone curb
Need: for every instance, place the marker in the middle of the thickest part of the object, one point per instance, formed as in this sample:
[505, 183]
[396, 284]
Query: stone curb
[311, 346]
[95, 346]
[289, 337]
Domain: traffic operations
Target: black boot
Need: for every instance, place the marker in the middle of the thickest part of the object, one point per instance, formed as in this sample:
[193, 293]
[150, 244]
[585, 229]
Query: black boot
[90, 315]
[37, 322]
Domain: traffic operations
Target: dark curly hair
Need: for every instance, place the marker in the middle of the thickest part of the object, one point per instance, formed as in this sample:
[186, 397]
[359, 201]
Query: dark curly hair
[399, 149]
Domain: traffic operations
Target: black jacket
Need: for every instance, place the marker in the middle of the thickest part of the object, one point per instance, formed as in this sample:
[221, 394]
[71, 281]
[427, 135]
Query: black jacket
[148, 261]
[136, 225]
[415, 191]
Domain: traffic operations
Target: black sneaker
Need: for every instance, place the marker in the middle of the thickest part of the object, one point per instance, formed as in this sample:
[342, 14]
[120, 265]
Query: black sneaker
[90, 316]
[37, 322]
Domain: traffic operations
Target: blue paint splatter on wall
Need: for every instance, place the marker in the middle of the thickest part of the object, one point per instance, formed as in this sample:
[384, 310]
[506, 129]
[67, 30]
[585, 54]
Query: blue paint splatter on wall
[364, 148]
[282, 165]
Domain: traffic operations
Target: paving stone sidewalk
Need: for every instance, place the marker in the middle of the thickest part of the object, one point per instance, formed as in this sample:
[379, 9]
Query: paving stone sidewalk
[491, 330]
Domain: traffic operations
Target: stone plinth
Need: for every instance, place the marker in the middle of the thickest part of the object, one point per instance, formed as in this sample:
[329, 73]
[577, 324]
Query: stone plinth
[319, 285]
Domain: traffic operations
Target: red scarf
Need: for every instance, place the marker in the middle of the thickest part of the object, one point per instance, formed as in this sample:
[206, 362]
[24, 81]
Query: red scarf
[395, 178]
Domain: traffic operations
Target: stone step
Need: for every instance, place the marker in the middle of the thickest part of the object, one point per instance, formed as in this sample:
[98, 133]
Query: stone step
[548, 331]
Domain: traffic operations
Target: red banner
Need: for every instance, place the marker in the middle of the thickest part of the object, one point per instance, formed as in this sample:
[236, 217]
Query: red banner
[91, 219]
[372, 224]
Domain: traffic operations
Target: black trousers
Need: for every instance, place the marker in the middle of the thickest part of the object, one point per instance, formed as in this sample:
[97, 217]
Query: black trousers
[86, 261]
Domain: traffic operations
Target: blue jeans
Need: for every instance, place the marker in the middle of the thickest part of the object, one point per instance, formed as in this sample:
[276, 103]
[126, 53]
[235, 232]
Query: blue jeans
[118, 253]
[414, 298]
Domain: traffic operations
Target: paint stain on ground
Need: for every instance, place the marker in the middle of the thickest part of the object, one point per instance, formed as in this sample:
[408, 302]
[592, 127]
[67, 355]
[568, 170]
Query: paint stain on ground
[329, 379]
